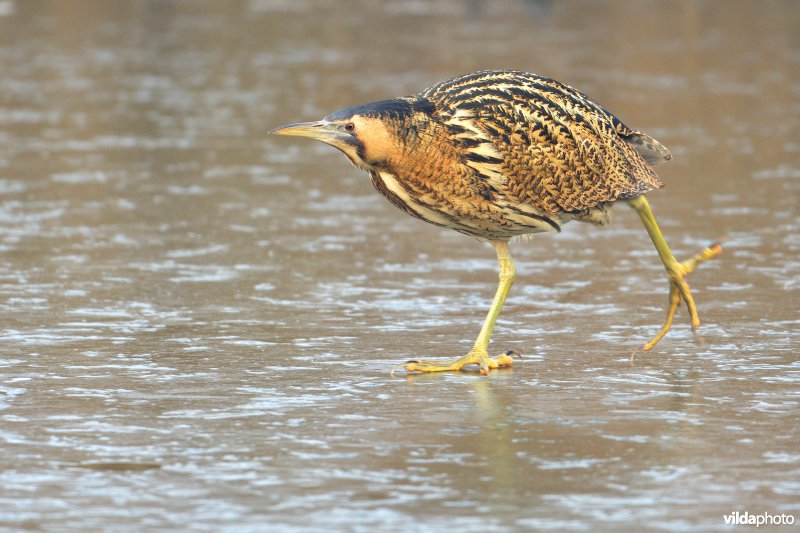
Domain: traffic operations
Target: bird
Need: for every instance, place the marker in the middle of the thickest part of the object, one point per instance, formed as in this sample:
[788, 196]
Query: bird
[501, 154]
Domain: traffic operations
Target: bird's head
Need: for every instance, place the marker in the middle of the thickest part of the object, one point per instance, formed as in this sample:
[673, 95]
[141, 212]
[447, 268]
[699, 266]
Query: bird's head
[372, 135]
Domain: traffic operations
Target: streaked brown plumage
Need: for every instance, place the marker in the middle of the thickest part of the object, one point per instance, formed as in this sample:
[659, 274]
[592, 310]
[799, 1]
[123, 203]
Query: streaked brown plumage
[499, 154]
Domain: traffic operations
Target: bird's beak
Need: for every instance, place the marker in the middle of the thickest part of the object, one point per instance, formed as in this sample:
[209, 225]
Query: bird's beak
[322, 130]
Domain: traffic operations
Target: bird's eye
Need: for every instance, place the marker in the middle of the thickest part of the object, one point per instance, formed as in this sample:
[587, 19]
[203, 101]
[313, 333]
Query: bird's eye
[350, 126]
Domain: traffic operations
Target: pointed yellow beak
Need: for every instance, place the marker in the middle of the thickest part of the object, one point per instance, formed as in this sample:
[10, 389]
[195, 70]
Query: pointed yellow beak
[322, 130]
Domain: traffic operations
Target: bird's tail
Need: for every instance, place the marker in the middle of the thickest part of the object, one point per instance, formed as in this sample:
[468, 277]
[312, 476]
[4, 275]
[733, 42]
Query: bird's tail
[650, 149]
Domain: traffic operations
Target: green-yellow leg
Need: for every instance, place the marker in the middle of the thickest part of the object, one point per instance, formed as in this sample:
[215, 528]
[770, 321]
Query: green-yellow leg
[678, 288]
[478, 355]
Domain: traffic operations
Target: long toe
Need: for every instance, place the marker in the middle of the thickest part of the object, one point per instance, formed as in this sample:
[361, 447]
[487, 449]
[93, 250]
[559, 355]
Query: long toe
[679, 291]
[674, 301]
[504, 359]
[484, 362]
[425, 366]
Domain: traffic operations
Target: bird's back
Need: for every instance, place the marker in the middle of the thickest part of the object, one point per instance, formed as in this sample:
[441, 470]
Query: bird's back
[542, 144]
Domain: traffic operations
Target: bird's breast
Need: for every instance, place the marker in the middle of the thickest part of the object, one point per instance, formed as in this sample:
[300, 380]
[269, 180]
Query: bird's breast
[406, 199]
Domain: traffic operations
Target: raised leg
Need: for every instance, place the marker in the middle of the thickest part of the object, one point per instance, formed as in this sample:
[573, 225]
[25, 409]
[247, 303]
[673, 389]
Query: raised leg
[479, 353]
[678, 288]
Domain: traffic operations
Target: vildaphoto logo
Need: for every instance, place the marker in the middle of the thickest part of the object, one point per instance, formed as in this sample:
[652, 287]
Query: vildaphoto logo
[762, 519]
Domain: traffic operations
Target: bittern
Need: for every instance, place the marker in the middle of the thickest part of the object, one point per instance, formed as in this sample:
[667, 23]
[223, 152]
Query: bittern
[500, 154]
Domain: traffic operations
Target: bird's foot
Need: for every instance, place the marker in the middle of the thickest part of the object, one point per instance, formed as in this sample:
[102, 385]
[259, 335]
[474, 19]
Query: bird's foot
[679, 292]
[474, 357]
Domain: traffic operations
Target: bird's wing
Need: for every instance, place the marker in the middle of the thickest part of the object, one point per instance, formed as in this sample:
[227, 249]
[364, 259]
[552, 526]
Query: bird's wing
[545, 143]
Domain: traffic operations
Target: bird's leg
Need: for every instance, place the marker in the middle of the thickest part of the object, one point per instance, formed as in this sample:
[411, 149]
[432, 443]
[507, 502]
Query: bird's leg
[678, 288]
[479, 353]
